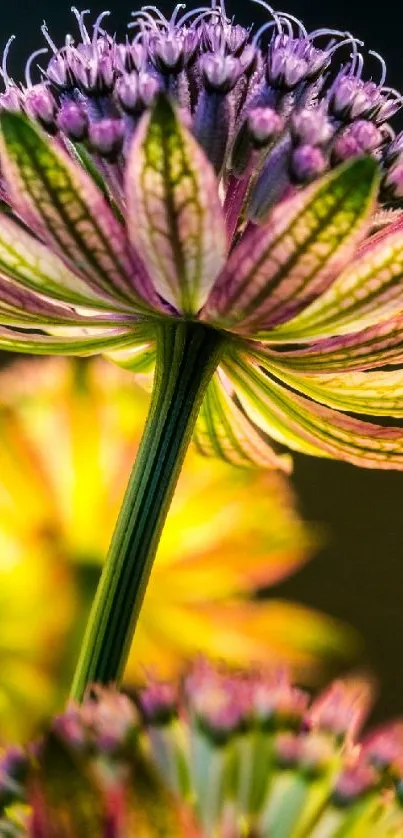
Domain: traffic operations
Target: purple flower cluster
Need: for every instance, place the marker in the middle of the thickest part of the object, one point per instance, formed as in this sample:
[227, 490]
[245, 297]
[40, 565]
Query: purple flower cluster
[302, 98]
[230, 753]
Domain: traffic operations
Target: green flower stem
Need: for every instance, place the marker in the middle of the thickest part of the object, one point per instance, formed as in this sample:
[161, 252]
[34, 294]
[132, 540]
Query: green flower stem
[187, 356]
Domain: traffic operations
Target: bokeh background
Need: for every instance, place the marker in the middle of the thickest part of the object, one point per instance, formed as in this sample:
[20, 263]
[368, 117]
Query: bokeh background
[357, 573]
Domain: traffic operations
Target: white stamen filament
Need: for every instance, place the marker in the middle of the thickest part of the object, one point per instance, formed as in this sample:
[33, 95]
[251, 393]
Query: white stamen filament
[97, 27]
[276, 21]
[301, 28]
[28, 66]
[4, 73]
[80, 19]
[48, 39]
[173, 20]
[383, 66]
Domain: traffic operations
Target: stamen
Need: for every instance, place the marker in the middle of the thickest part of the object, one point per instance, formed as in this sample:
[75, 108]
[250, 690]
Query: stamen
[28, 66]
[392, 91]
[319, 33]
[263, 29]
[144, 19]
[275, 22]
[159, 14]
[221, 8]
[4, 74]
[97, 27]
[172, 22]
[80, 19]
[302, 32]
[201, 12]
[357, 64]
[349, 41]
[48, 39]
[288, 24]
[383, 66]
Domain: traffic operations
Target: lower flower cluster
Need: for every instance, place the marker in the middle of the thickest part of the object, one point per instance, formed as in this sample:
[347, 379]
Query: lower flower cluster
[218, 754]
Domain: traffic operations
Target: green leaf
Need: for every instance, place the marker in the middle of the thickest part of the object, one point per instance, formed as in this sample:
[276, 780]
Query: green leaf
[175, 216]
[277, 270]
[309, 427]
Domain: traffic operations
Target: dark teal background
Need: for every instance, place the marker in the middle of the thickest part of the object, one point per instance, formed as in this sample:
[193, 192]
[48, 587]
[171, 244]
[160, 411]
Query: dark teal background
[358, 574]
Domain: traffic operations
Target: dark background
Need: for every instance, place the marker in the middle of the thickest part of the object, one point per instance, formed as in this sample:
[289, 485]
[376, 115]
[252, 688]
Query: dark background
[358, 574]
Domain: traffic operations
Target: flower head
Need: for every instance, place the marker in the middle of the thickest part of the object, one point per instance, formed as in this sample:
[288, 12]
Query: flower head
[248, 183]
[220, 753]
[213, 556]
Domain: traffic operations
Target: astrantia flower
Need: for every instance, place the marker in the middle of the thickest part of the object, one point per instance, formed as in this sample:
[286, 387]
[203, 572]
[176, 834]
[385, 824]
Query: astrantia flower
[221, 755]
[128, 212]
[216, 551]
[178, 196]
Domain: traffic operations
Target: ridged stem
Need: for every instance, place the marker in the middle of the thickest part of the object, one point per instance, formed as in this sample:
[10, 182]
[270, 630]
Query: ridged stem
[187, 356]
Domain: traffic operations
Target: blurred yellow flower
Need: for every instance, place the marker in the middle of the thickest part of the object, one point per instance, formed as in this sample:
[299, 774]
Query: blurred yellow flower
[68, 435]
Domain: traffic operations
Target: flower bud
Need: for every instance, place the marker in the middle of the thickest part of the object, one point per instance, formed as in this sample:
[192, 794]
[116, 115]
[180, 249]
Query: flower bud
[40, 104]
[106, 137]
[307, 163]
[220, 73]
[159, 702]
[72, 120]
[264, 125]
[310, 126]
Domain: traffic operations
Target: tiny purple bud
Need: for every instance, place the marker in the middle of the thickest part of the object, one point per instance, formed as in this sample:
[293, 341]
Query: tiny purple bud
[345, 147]
[59, 73]
[341, 710]
[159, 702]
[383, 747]
[310, 126]
[220, 72]
[351, 98]
[236, 38]
[307, 162]
[149, 88]
[106, 137]
[12, 99]
[264, 124]
[94, 73]
[367, 135]
[393, 181]
[354, 782]
[72, 120]
[277, 702]
[130, 57]
[287, 65]
[167, 53]
[136, 91]
[127, 93]
[41, 105]
[220, 702]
